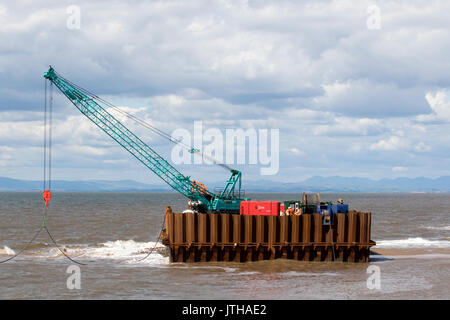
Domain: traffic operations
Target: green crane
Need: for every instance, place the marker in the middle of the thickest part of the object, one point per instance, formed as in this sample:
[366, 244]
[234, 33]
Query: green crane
[201, 199]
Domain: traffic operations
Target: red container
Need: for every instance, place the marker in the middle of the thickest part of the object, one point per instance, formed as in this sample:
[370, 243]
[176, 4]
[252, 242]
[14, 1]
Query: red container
[260, 208]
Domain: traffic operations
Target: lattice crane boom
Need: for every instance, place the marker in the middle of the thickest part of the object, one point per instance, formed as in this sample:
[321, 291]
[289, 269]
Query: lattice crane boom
[226, 201]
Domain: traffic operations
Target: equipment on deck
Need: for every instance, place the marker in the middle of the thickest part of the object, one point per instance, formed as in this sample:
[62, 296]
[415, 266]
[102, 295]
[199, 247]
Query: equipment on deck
[312, 203]
[260, 208]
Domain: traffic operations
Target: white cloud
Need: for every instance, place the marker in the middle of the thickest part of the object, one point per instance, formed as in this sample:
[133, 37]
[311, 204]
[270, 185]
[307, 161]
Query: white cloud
[422, 147]
[440, 104]
[297, 151]
[6, 152]
[311, 69]
[87, 150]
[351, 126]
[393, 143]
[368, 97]
[170, 100]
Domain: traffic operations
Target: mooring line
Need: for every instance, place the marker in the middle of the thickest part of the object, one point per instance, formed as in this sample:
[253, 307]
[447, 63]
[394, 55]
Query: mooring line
[156, 243]
[48, 111]
[24, 248]
[62, 251]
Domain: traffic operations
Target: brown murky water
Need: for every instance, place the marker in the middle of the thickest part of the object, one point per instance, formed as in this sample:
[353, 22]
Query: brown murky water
[112, 231]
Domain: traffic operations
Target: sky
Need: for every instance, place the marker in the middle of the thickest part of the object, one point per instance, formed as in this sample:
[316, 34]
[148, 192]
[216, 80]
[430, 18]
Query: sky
[355, 88]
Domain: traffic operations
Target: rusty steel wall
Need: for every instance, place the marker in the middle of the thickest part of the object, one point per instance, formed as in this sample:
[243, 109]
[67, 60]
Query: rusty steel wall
[194, 237]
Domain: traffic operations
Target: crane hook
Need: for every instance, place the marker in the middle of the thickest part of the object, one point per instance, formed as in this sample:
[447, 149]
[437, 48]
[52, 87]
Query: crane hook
[47, 196]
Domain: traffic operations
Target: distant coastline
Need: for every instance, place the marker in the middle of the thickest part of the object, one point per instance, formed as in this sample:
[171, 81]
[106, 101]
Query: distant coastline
[314, 184]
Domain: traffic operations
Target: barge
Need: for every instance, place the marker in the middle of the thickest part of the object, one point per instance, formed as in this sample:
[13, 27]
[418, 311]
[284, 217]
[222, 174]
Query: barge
[203, 237]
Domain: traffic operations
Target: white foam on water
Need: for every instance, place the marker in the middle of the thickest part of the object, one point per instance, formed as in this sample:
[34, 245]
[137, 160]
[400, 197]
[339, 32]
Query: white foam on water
[122, 248]
[182, 265]
[127, 251]
[425, 256]
[308, 274]
[118, 249]
[155, 260]
[247, 273]
[413, 243]
[445, 228]
[7, 251]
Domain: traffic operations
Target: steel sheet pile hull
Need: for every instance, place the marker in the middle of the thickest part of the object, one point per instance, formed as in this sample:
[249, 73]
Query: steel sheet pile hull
[196, 237]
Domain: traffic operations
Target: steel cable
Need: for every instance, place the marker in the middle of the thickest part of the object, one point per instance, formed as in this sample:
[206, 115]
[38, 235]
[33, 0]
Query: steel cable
[48, 114]
[145, 124]
[24, 248]
[59, 248]
[156, 243]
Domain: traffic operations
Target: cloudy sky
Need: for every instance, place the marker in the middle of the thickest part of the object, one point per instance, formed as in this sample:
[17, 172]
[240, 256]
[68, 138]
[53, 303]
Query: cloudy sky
[351, 94]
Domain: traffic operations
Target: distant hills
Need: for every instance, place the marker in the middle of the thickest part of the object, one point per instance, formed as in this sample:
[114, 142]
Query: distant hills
[314, 184]
[348, 184]
[7, 184]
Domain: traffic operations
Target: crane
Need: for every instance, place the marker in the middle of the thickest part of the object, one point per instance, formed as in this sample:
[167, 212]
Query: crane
[200, 198]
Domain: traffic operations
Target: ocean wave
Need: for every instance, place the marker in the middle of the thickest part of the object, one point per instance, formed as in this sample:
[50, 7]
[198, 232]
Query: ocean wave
[128, 251]
[7, 251]
[413, 243]
[118, 249]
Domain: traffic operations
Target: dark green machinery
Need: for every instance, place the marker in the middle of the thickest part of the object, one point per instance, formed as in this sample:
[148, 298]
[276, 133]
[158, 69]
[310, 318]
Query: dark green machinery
[312, 203]
[201, 200]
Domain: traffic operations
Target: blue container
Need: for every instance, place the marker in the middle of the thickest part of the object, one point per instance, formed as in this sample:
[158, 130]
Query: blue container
[340, 208]
[332, 210]
[321, 208]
